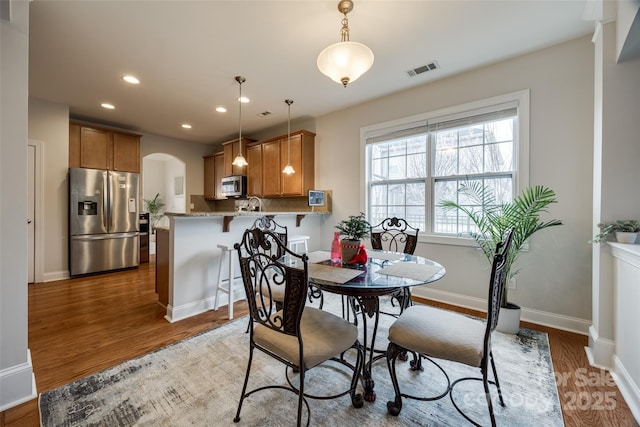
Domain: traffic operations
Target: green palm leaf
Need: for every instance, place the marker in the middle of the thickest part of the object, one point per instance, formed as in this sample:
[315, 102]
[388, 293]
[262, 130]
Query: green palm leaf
[522, 214]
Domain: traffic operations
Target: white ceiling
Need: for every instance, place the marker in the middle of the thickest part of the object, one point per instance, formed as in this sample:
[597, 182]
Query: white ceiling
[186, 54]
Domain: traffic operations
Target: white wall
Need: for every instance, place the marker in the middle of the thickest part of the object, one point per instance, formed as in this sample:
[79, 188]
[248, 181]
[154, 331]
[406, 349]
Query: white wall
[556, 277]
[17, 383]
[49, 123]
[616, 186]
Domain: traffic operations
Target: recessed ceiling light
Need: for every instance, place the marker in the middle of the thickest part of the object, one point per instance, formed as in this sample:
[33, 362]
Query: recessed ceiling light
[131, 79]
[107, 106]
[244, 100]
[186, 125]
[221, 109]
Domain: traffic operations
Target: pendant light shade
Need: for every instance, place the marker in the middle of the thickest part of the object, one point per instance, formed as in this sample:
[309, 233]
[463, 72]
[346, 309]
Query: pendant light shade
[240, 160]
[345, 61]
[289, 169]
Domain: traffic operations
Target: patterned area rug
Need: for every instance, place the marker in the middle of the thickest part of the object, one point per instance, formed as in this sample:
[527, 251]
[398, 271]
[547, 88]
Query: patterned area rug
[197, 382]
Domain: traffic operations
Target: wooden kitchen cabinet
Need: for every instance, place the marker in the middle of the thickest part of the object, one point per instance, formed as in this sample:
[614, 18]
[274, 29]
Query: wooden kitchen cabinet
[126, 152]
[271, 168]
[99, 148]
[209, 177]
[274, 159]
[213, 173]
[219, 173]
[231, 149]
[254, 171]
[162, 266]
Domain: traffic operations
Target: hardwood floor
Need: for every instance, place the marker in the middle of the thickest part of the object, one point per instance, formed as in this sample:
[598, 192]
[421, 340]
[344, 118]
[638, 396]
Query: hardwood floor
[81, 326]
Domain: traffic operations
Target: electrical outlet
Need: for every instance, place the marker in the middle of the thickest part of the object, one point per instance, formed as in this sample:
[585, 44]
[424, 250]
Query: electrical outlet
[513, 284]
[193, 206]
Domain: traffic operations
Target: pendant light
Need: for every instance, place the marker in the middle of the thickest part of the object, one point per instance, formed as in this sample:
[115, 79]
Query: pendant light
[289, 169]
[240, 160]
[345, 61]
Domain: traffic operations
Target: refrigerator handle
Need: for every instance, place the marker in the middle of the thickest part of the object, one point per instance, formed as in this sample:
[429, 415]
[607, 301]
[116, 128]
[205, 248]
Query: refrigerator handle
[105, 192]
[111, 190]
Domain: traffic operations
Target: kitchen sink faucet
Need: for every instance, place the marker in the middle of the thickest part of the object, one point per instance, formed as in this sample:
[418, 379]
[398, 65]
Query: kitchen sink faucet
[252, 207]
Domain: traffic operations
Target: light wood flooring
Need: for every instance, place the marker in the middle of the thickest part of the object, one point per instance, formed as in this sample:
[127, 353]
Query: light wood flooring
[81, 326]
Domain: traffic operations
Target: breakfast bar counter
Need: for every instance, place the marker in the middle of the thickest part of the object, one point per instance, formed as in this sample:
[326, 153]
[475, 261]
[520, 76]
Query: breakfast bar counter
[193, 254]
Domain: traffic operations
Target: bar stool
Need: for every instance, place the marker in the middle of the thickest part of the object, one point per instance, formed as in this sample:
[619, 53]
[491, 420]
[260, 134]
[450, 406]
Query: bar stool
[227, 253]
[295, 241]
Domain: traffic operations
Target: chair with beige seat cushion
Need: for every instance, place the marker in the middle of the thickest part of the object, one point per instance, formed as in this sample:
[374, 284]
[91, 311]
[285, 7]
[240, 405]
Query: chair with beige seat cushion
[440, 334]
[300, 337]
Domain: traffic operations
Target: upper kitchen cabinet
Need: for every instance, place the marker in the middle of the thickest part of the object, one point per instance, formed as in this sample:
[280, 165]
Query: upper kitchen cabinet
[209, 177]
[231, 149]
[213, 173]
[254, 170]
[275, 154]
[98, 148]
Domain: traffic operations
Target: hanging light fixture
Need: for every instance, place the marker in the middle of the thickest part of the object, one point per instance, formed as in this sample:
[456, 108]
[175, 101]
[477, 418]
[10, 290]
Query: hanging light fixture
[289, 169]
[240, 160]
[345, 61]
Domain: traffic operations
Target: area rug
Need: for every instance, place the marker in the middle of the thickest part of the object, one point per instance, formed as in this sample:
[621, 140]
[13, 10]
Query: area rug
[197, 382]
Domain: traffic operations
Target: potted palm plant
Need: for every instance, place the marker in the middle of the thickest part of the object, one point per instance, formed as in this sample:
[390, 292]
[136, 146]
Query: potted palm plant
[353, 230]
[626, 231]
[522, 214]
[154, 207]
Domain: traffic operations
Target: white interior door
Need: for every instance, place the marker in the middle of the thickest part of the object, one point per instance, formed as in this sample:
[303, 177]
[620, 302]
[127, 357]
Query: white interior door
[31, 212]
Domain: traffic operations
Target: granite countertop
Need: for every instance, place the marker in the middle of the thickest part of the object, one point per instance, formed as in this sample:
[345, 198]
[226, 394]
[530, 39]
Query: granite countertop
[242, 213]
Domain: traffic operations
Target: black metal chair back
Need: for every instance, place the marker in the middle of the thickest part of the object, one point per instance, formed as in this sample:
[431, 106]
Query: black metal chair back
[261, 254]
[267, 223]
[394, 234]
[497, 283]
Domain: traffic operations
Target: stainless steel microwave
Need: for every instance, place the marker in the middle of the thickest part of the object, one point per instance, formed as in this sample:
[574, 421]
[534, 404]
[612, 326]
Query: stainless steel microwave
[234, 186]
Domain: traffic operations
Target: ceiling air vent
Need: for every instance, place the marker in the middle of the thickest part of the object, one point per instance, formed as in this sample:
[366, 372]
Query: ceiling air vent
[264, 114]
[423, 69]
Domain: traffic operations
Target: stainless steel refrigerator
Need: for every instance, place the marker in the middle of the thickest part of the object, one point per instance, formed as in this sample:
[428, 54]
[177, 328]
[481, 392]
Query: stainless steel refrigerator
[103, 220]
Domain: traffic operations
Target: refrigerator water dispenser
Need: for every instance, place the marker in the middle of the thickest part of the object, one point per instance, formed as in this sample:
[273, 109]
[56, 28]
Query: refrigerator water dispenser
[87, 208]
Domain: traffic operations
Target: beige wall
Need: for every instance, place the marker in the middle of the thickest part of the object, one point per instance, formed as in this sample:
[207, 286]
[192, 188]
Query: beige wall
[556, 277]
[190, 153]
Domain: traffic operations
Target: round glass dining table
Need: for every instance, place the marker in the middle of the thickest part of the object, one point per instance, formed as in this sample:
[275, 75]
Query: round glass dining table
[383, 274]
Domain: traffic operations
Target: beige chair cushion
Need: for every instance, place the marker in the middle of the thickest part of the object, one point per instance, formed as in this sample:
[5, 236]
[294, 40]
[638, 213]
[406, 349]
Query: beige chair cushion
[439, 333]
[324, 336]
[277, 292]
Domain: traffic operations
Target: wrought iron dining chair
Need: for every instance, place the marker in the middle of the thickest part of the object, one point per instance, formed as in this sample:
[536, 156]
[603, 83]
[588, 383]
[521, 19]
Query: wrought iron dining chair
[299, 336]
[396, 235]
[435, 333]
[281, 231]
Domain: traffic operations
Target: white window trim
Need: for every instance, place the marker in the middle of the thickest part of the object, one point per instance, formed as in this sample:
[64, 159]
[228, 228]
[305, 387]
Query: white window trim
[521, 178]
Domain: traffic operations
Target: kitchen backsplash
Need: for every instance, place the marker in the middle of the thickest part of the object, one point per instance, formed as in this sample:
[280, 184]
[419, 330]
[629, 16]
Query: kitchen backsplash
[284, 204]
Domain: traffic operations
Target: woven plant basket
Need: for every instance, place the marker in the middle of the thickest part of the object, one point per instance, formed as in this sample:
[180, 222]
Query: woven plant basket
[349, 249]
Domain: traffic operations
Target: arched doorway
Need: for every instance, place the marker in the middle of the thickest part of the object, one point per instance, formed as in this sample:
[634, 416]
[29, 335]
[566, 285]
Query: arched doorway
[164, 174]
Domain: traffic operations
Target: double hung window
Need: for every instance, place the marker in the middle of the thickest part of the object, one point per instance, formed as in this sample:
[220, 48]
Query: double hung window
[412, 166]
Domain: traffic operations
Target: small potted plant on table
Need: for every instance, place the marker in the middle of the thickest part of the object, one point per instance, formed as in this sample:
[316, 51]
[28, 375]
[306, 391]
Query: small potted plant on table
[626, 231]
[353, 230]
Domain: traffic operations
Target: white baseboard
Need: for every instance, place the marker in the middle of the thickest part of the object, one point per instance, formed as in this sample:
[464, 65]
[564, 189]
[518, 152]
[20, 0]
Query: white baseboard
[52, 276]
[553, 320]
[177, 313]
[627, 387]
[17, 384]
[600, 351]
